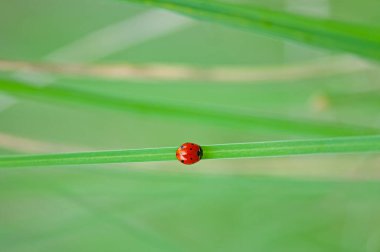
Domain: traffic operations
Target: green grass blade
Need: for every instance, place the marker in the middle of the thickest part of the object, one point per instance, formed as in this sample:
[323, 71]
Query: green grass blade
[194, 113]
[240, 150]
[335, 35]
[294, 147]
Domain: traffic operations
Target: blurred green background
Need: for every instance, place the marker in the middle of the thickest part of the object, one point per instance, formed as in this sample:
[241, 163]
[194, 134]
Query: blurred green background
[314, 203]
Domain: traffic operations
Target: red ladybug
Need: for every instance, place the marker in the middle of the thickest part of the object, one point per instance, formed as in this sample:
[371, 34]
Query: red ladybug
[189, 153]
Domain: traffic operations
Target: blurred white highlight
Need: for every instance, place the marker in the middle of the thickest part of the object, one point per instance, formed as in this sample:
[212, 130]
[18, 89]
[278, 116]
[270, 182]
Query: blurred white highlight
[315, 8]
[114, 38]
[108, 40]
[26, 145]
[6, 101]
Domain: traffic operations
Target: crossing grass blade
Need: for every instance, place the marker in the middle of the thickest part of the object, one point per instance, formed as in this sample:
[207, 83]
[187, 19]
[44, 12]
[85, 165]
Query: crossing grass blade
[358, 39]
[239, 150]
[199, 114]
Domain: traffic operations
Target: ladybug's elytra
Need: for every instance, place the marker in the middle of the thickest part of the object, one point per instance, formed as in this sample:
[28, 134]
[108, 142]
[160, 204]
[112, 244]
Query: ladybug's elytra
[189, 153]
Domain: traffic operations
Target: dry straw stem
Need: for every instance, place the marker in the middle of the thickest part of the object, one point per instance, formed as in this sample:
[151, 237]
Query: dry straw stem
[238, 150]
[330, 66]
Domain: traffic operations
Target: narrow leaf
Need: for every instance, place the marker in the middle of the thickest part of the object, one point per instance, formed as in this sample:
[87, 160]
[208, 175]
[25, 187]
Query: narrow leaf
[200, 114]
[331, 34]
[240, 150]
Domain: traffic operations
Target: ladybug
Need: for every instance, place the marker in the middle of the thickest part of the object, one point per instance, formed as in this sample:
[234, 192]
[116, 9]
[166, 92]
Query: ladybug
[189, 153]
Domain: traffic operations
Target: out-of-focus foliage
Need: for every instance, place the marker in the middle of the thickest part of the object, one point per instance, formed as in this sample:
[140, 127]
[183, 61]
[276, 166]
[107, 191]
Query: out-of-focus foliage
[318, 203]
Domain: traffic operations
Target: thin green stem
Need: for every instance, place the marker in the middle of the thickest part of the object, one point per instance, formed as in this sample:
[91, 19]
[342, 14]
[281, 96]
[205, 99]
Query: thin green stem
[240, 150]
[325, 33]
[199, 114]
